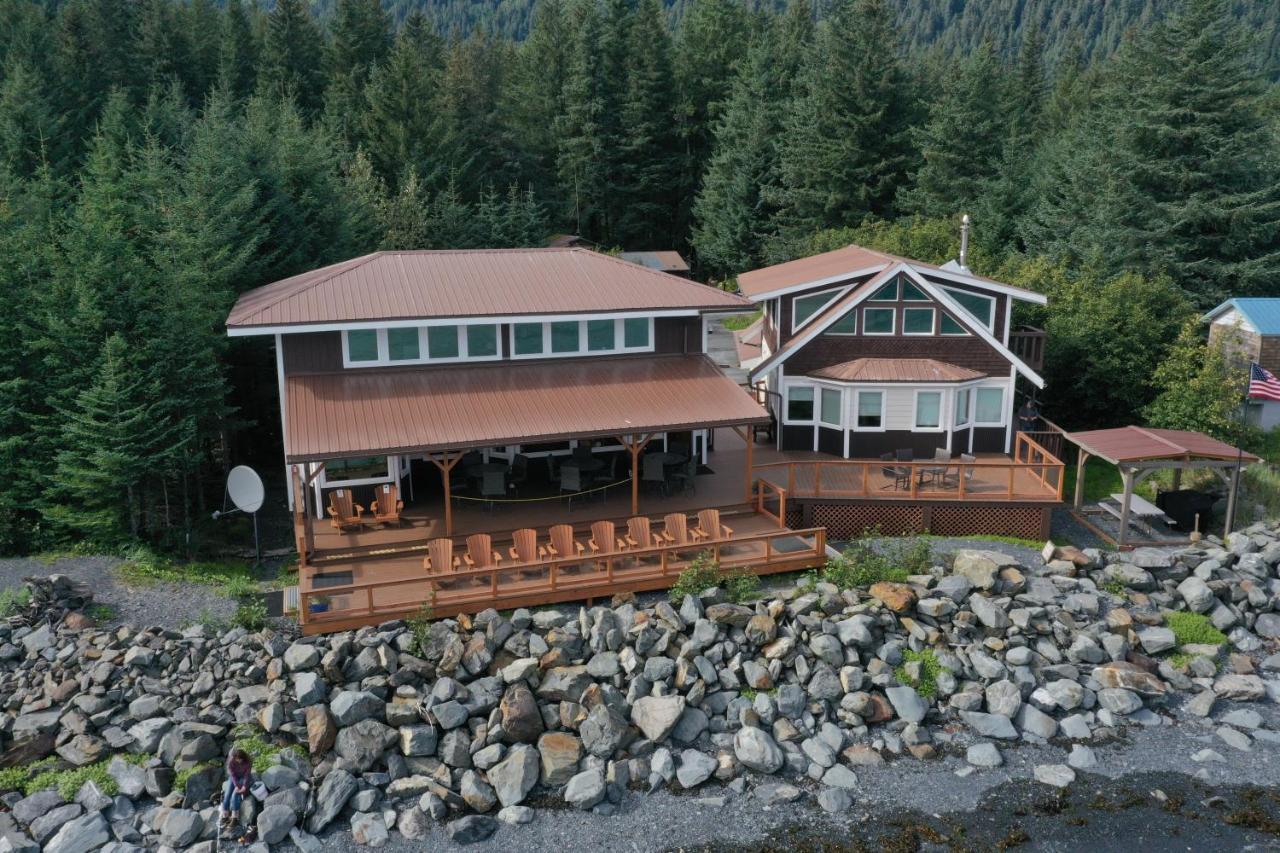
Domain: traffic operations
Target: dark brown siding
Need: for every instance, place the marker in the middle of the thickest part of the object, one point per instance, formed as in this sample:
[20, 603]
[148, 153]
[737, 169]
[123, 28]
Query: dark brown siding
[1270, 354]
[312, 352]
[677, 334]
[827, 350]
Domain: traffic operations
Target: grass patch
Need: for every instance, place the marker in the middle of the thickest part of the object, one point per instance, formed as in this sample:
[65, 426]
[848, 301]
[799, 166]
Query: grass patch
[182, 777]
[251, 614]
[927, 684]
[101, 612]
[861, 565]
[704, 573]
[143, 565]
[261, 751]
[13, 599]
[67, 781]
[1102, 480]
[738, 322]
[1193, 628]
[1115, 587]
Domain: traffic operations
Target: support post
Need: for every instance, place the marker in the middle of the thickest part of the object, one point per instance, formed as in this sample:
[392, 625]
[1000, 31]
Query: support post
[1231, 503]
[634, 446]
[446, 463]
[744, 433]
[1126, 474]
[1081, 461]
[1177, 479]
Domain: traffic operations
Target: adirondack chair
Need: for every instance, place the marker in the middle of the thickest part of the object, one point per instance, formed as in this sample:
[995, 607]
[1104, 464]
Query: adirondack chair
[386, 507]
[480, 553]
[344, 512]
[639, 534]
[605, 539]
[709, 526]
[562, 544]
[675, 529]
[440, 558]
[525, 547]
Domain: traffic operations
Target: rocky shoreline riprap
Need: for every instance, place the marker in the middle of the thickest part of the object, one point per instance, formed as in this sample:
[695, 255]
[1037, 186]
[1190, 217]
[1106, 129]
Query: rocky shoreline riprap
[466, 722]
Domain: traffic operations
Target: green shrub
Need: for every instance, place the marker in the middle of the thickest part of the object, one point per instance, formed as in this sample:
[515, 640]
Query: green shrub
[1193, 628]
[68, 781]
[704, 573]
[860, 565]
[927, 685]
[13, 599]
[251, 614]
[1115, 587]
[738, 322]
[12, 778]
[420, 626]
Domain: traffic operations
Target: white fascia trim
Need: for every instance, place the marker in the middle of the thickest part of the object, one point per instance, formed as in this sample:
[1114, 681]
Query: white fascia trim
[1015, 292]
[963, 316]
[817, 282]
[799, 341]
[836, 293]
[246, 331]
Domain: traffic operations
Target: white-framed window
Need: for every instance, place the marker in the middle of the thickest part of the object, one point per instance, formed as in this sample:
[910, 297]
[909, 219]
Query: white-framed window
[983, 308]
[562, 338]
[805, 308]
[878, 321]
[441, 344]
[928, 411]
[869, 411]
[964, 397]
[912, 293]
[989, 409]
[846, 325]
[949, 325]
[917, 321]
[799, 404]
[887, 292]
[830, 410]
[356, 471]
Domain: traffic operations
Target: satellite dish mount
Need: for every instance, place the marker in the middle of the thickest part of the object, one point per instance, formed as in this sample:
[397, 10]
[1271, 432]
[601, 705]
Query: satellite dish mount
[245, 490]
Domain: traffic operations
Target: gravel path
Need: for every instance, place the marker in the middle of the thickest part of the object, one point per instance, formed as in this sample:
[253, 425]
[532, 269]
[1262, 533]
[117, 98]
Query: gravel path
[172, 605]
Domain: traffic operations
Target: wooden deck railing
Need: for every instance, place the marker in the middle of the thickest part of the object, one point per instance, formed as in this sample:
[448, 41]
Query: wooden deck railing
[771, 502]
[1033, 474]
[563, 579]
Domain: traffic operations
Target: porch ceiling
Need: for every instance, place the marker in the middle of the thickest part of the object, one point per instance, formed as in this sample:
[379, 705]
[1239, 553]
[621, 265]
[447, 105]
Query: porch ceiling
[407, 410]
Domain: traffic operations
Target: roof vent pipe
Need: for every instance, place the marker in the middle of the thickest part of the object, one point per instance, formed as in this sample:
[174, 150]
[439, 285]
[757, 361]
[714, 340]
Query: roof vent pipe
[964, 242]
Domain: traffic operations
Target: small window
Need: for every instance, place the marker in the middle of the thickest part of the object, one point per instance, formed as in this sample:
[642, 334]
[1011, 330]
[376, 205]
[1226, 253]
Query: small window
[528, 338]
[832, 401]
[482, 341]
[800, 404]
[600, 335]
[564, 337]
[402, 344]
[804, 307]
[887, 293]
[950, 326]
[983, 308]
[362, 345]
[635, 332]
[361, 468]
[989, 406]
[928, 409]
[962, 406]
[877, 321]
[917, 321]
[846, 325]
[870, 409]
[442, 342]
[911, 293]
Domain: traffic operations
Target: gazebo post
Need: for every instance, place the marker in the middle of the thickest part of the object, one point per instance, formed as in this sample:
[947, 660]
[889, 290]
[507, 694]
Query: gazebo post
[1081, 460]
[1126, 474]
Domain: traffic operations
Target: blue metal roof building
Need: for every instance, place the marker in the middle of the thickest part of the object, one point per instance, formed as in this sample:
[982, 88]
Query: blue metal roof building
[1260, 312]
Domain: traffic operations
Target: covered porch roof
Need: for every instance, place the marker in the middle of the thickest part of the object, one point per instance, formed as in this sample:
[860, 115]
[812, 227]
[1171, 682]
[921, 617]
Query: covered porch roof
[1131, 446]
[413, 410]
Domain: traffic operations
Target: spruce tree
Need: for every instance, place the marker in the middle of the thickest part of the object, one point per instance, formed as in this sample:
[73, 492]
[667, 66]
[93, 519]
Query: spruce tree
[405, 216]
[400, 128]
[30, 127]
[237, 52]
[293, 54]
[361, 38]
[535, 95]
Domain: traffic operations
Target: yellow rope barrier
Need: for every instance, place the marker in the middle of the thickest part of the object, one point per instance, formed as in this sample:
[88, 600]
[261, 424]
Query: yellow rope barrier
[536, 500]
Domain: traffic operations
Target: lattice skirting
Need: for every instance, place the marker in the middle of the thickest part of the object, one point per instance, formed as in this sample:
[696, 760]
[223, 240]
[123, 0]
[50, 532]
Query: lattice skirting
[847, 520]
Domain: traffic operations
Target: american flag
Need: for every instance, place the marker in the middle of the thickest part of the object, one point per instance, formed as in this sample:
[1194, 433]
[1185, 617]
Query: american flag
[1263, 384]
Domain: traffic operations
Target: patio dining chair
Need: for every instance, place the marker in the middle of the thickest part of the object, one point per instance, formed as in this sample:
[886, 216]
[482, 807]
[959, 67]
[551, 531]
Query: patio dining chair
[898, 476]
[493, 485]
[344, 512]
[570, 482]
[709, 527]
[653, 474]
[675, 529]
[639, 533]
[682, 478]
[386, 507]
[519, 472]
[604, 538]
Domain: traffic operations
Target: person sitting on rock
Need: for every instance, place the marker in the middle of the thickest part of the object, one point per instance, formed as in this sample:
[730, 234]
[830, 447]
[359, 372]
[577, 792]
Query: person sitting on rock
[239, 777]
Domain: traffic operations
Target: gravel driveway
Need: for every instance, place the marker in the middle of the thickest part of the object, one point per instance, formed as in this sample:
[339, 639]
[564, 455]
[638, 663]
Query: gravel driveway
[171, 605]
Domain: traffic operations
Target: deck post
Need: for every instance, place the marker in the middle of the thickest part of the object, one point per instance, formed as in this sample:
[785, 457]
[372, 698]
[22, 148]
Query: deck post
[744, 433]
[634, 445]
[1081, 461]
[446, 465]
[1126, 474]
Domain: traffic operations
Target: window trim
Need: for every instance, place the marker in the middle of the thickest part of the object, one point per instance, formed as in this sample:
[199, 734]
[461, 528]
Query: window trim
[893, 326]
[1004, 409]
[857, 404]
[424, 354]
[915, 410]
[836, 293]
[619, 339]
[326, 482]
[786, 404]
[969, 396]
[990, 323]
[933, 320]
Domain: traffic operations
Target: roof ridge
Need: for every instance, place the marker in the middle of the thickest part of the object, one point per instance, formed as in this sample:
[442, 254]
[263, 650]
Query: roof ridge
[311, 280]
[1166, 442]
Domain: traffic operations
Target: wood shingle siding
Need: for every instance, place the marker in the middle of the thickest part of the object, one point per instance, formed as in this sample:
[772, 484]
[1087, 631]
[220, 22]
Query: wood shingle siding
[827, 350]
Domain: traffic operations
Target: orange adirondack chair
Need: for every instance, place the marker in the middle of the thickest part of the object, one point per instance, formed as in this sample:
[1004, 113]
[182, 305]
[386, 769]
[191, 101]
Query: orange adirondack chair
[525, 547]
[709, 526]
[440, 558]
[562, 544]
[344, 512]
[675, 529]
[604, 538]
[639, 534]
[480, 553]
[386, 507]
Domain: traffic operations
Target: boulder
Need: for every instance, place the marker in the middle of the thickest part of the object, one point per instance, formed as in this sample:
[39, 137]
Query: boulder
[585, 789]
[470, 829]
[514, 777]
[757, 750]
[274, 823]
[338, 787]
[908, 704]
[559, 754]
[81, 835]
[181, 827]
[656, 716]
[898, 597]
[369, 829]
[521, 719]
[603, 732]
[364, 743]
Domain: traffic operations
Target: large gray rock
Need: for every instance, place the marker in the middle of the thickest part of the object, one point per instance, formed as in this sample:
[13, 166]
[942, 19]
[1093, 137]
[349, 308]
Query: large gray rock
[1003, 698]
[909, 705]
[1156, 640]
[337, 788]
[656, 716]
[988, 612]
[351, 706]
[470, 829]
[368, 829]
[81, 835]
[418, 740]
[1267, 625]
[514, 777]
[181, 827]
[274, 823]
[130, 779]
[308, 688]
[585, 789]
[301, 656]
[44, 827]
[364, 743]
[984, 754]
[603, 732]
[1117, 700]
[990, 725]
[980, 568]
[1196, 593]
[38, 804]
[757, 750]
[695, 768]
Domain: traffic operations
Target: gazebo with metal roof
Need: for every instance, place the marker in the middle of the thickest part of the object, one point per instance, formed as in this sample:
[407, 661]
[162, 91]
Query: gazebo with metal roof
[1140, 451]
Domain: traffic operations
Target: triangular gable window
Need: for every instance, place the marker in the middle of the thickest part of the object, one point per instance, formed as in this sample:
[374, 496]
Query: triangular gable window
[951, 327]
[804, 308]
[887, 293]
[846, 325]
[911, 293]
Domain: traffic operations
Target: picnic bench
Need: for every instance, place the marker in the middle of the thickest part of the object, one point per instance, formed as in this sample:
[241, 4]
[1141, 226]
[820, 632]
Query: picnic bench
[1141, 512]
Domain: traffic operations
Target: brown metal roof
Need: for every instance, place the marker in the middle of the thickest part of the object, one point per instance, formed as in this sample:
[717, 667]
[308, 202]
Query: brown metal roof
[897, 370]
[404, 410]
[802, 270]
[1138, 444]
[472, 283]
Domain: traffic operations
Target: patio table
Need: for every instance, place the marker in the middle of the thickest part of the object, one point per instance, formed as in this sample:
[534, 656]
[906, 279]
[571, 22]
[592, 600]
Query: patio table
[668, 458]
[478, 471]
[586, 466]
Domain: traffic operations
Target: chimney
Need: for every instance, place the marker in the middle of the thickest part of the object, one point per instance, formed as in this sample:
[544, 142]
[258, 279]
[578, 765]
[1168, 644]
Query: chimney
[964, 242]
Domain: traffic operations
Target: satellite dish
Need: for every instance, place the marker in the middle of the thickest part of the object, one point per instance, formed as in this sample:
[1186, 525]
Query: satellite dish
[244, 486]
